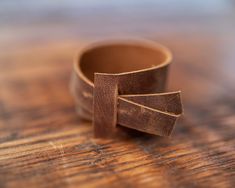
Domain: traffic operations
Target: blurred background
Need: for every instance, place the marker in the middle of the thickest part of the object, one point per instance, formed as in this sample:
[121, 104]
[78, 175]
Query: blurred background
[40, 133]
[200, 34]
[56, 20]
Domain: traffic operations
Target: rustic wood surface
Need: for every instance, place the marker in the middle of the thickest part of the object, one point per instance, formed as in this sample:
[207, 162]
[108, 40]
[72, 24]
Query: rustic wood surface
[44, 144]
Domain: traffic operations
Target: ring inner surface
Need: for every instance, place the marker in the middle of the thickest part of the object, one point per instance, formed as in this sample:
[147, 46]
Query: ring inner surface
[119, 58]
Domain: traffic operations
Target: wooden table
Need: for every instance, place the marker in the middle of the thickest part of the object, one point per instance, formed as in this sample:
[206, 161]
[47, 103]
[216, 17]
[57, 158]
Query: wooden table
[44, 144]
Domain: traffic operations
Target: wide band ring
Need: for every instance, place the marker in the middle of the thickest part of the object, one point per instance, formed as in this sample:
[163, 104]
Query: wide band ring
[123, 82]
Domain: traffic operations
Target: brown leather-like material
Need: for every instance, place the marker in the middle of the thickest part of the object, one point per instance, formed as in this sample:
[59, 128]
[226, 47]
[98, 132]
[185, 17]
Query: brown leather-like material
[105, 104]
[123, 83]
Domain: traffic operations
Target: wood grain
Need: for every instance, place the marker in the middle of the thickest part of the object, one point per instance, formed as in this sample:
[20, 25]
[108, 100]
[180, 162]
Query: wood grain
[44, 144]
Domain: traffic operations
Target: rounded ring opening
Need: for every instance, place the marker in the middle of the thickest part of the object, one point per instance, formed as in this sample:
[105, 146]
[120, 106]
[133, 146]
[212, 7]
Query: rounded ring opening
[121, 57]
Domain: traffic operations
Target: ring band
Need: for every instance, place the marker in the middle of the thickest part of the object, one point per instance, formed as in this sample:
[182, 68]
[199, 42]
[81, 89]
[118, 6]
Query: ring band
[123, 82]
